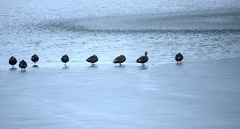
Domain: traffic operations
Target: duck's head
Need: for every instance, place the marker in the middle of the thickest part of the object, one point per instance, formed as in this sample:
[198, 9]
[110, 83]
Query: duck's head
[146, 53]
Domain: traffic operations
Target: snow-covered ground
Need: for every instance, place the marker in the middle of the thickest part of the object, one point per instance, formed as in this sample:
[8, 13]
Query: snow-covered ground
[202, 92]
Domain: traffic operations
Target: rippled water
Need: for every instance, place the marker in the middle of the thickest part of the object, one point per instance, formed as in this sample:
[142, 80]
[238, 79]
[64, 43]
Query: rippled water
[157, 96]
[110, 28]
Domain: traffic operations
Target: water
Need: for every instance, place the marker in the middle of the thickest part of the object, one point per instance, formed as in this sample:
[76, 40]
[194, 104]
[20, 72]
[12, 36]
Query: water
[110, 28]
[162, 94]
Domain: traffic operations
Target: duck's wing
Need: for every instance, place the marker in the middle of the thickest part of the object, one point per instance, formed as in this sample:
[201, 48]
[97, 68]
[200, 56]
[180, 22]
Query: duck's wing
[178, 57]
[65, 58]
[119, 59]
[12, 60]
[142, 59]
[35, 58]
[92, 59]
[23, 64]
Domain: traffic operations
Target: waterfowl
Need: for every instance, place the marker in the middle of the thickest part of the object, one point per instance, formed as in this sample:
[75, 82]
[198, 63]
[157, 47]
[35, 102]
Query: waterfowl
[179, 57]
[143, 59]
[23, 64]
[92, 59]
[34, 59]
[12, 61]
[120, 59]
[65, 58]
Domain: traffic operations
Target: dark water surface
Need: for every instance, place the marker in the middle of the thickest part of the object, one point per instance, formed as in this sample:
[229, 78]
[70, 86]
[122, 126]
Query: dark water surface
[51, 29]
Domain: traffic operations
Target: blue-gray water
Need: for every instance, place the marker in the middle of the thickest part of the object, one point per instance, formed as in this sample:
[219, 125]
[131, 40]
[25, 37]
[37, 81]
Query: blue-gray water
[202, 92]
[110, 28]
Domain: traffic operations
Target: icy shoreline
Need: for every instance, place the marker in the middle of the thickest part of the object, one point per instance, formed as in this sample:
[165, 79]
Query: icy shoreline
[191, 95]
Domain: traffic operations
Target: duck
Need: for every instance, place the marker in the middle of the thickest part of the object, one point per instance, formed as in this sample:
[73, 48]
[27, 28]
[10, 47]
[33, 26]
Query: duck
[23, 64]
[65, 59]
[34, 59]
[179, 57]
[12, 61]
[143, 59]
[92, 59]
[120, 59]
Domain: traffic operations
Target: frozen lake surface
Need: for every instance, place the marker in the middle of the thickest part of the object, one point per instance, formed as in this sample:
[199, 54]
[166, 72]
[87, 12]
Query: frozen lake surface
[189, 95]
[202, 92]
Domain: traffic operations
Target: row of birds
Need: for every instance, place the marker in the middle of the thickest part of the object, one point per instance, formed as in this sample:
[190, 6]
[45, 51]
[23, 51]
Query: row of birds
[92, 59]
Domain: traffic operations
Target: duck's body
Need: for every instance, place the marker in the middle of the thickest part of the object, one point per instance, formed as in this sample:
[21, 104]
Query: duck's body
[92, 59]
[12, 61]
[143, 59]
[35, 58]
[120, 59]
[65, 58]
[179, 57]
[23, 64]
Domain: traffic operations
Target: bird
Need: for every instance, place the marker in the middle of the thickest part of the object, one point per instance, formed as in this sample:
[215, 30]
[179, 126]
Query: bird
[92, 59]
[34, 59]
[23, 64]
[12, 61]
[143, 59]
[179, 57]
[120, 59]
[65, 59]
